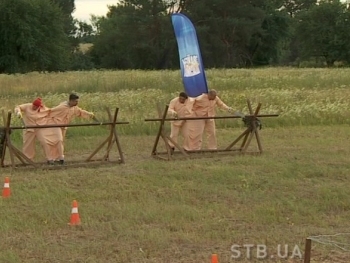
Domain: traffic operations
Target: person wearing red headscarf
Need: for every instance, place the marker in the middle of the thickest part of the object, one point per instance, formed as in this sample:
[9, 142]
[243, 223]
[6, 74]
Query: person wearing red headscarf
[32, 114]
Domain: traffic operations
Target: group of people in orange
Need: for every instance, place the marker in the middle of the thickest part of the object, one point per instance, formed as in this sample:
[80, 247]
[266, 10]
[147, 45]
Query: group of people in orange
[51, 139]
[192, 130]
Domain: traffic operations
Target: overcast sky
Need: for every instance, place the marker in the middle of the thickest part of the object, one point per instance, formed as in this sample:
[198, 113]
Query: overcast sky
[83, 8]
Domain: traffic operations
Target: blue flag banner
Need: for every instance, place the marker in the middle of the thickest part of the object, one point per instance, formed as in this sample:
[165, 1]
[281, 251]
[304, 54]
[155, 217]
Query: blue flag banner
[191, 64]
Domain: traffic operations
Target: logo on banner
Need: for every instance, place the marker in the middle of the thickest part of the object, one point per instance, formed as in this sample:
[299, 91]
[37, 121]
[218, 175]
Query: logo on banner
[191, 65]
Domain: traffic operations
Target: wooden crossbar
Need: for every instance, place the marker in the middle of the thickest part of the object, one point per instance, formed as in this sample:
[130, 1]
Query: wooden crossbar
[252, 130]
[14, 152]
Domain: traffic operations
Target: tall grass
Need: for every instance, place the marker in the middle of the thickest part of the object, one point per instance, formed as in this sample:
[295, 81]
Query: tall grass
[299, 96]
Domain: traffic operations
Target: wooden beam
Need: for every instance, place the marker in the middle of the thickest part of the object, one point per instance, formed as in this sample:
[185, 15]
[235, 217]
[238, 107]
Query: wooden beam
[247, 135]
[209, 118]
[17, 153]
[67, 125]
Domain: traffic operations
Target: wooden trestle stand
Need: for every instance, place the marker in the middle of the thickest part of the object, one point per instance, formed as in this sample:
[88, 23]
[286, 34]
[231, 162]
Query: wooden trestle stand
[5, 142]
[251, 121]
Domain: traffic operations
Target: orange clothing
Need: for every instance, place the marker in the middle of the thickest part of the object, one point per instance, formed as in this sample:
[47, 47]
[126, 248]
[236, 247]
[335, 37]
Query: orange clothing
[181, 110]
[32, 118]
[52, 142]
[64, 114]
[203, 107]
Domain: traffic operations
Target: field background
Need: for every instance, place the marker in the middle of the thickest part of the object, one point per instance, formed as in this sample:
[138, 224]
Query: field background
[148, 210]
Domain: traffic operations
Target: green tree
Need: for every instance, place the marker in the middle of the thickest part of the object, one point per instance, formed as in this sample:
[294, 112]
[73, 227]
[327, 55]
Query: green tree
[225, 29]
[266, 45]
[293, 7]
[32, 37]
[84, 32]
[135, 34]
[69, 24]
[323, 31]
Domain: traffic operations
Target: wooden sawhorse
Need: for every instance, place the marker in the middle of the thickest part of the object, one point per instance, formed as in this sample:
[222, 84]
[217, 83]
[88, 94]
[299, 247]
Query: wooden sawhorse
[5, 141]
[251, 121]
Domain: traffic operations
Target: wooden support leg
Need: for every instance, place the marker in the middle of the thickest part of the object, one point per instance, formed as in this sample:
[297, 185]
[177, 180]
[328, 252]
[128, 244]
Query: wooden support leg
[253, 128]
[244, 134]
[167, 138]
[161, 133]
[112, 137]
[250, 137]
[113, 128]
[111, 141]
[258, 140]
[97, 150]
[247, 132]
[14, 152]
[7, 138]
[19, 155]
[251, 131]
[4, 143]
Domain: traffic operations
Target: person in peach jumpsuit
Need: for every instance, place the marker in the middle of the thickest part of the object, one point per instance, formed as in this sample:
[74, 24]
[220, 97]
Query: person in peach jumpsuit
[179, 107]
[34, 114]
[204, 106]
[63, 114]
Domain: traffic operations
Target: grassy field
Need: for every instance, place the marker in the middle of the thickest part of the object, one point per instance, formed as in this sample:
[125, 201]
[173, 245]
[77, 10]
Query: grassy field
[153, 211]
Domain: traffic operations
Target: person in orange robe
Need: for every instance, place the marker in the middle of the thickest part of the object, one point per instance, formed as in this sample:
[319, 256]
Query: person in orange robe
[63, 114]
[204, 106]
[34, 114]
[179, 107]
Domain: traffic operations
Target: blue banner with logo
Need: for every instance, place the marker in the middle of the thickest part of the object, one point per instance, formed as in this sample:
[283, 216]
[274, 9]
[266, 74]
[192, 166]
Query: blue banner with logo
[191, 64]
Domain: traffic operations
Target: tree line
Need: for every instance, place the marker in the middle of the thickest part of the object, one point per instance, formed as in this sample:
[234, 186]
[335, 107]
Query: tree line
[42, 35]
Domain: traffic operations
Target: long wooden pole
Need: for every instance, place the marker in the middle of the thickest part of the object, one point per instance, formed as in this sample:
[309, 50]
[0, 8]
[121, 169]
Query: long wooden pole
[67, 125]
[206, 118]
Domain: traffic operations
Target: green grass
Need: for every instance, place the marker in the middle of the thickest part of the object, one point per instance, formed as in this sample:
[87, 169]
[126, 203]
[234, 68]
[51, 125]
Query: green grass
[149, 210]
[181, 211]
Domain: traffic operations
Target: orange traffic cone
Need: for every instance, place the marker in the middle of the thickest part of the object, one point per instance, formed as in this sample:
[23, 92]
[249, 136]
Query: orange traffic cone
[6, 192]
[74, 218]
[214, 258]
